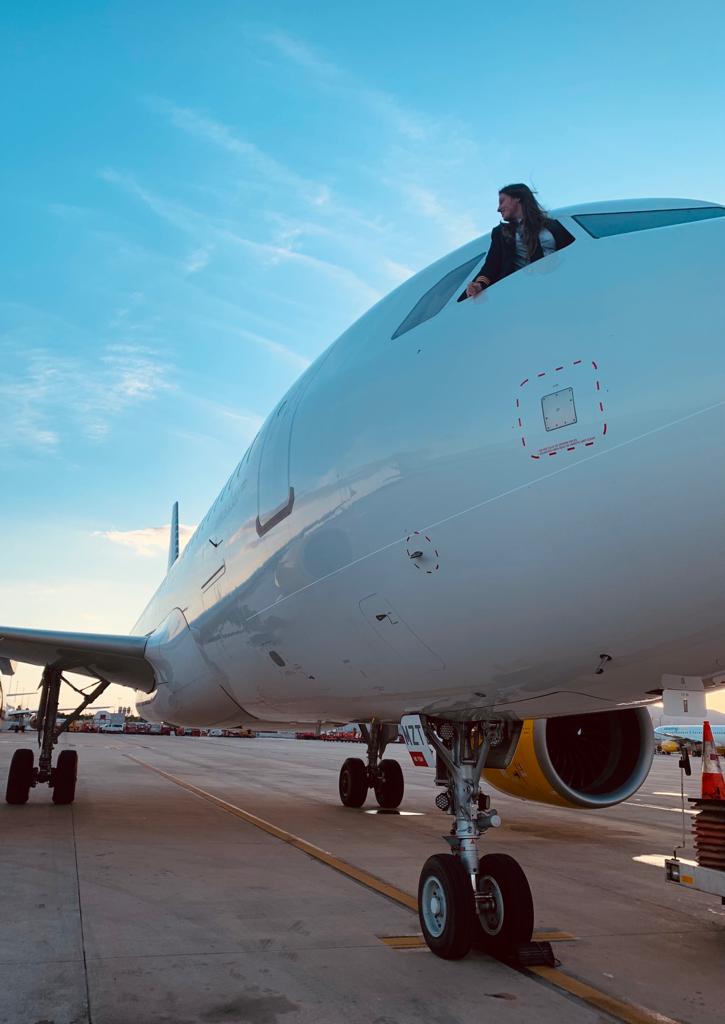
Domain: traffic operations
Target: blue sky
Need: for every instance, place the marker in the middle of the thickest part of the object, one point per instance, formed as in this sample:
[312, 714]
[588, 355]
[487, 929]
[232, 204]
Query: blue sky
[197, 199]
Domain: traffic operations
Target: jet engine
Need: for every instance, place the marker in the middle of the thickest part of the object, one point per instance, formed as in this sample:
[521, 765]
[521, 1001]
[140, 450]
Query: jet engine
[669, 746]
[594, 760]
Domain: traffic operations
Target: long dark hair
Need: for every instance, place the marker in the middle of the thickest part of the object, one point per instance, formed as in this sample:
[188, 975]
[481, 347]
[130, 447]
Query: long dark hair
[533, 214]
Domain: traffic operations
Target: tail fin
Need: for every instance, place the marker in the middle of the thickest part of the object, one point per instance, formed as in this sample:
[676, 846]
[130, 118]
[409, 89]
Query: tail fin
[174, 536]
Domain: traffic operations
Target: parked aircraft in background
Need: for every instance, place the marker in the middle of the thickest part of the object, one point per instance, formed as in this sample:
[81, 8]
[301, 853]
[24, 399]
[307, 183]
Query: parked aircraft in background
[474, 517]
[16, 719]
[12, 719]
[689, 736]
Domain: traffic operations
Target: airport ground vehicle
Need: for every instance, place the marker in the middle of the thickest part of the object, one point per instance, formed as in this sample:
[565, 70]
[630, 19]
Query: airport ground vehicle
[458, 514]
[692, 876]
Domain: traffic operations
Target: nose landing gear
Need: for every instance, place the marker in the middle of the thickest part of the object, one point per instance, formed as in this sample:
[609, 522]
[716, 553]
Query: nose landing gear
[462, 901]
[23, 774]
[385, 777]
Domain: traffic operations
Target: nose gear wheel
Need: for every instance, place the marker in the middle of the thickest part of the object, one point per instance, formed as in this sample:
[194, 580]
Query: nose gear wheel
[446, 906]
[463, 900]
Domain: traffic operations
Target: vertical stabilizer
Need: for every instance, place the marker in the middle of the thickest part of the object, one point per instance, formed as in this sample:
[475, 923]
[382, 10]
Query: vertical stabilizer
[174, 536]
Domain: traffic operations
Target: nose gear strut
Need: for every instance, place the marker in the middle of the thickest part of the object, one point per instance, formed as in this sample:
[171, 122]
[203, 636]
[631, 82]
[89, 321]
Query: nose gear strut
[463, 901]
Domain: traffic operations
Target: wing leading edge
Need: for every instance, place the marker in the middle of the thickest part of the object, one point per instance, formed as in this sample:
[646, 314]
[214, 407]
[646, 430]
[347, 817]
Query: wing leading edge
[119, 659]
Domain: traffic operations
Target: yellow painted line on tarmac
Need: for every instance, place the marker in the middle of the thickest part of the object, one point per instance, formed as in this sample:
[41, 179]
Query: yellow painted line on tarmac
[403, 941]
[553, 937]
[418, 942]
[629, 1013]
[316, 852]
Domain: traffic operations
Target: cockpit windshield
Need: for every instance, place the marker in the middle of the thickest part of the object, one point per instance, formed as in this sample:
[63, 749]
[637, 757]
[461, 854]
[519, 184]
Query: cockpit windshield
[601, 225]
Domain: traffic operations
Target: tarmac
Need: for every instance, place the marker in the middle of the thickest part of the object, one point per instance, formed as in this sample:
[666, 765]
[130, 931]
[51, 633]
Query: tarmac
[220, 880]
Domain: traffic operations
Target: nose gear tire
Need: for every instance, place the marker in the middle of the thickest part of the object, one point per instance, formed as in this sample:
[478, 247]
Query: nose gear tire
[20, 777]
[64, 777]
[506, 919]
[446, 906]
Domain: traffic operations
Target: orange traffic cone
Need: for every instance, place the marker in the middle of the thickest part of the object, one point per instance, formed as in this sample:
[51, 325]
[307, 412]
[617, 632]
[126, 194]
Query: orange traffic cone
[713, 782]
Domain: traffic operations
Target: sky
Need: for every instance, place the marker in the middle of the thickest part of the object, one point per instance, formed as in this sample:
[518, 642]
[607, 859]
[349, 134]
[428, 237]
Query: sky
[197, 199]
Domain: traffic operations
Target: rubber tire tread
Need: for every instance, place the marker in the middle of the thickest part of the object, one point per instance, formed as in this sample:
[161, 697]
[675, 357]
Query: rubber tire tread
[64, 777]
[353, 782]
[456, 939]
[518, 922]
[20, 776]
[390, 789]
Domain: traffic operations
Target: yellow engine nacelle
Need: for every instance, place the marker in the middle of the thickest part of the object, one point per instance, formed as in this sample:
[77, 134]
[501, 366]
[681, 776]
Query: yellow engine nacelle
[669, 746]
[591, 761]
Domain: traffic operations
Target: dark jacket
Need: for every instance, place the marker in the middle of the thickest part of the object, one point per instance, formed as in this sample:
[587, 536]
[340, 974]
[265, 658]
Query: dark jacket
[500, 261]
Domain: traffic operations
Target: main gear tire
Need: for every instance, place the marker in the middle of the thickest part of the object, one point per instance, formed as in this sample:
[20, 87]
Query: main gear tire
[353, 783]
[389, 784]
[20, 777]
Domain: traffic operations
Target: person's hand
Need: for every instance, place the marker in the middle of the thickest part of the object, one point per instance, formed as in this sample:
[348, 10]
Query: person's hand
[474, 288]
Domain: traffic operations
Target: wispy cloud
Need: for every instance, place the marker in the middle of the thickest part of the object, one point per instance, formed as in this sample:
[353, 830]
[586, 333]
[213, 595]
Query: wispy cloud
[49, 394]
[244, 424]
[318, 196]
[397, 272]
[203, 227]
[198, 259]
[382, 104]
[456, 222]
[420, 153]
[294, 359]
[302, 54]
[221, 135]
[148, 542]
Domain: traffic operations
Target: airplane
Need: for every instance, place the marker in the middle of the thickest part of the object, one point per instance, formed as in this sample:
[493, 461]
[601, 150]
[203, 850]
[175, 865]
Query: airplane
[16, 719]
[494, 522]
[672, 737]
[13, 719]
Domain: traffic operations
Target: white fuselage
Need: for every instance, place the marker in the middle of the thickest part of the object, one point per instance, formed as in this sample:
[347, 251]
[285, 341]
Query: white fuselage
[538, 550]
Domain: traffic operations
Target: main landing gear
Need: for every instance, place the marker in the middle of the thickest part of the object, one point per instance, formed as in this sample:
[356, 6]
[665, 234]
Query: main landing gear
[385, 777]
[464, 901]
[23, 774]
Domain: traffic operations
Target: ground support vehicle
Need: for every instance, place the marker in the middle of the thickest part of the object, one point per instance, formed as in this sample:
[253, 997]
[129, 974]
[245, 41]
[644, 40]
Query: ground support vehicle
[709, 880]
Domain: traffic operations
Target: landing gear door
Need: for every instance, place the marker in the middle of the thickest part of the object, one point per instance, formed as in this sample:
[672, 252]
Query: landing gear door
[420, 750]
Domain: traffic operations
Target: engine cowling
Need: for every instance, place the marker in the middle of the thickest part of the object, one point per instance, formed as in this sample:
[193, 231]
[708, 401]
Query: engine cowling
[595, 760]
[669, 746]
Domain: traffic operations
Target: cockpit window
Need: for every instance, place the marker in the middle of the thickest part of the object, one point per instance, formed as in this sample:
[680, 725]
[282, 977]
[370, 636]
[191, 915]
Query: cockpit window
[436, 297]
[601, 225]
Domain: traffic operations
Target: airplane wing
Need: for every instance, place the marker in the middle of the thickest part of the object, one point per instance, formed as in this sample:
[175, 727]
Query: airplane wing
[119, 659]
